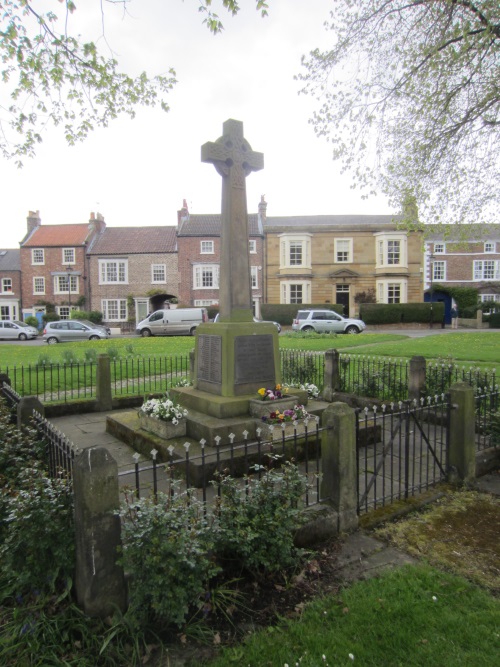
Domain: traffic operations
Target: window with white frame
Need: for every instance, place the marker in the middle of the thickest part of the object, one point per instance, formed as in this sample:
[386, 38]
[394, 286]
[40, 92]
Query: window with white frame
[487, 269]
[6, 285]
[38, 256]
[439, 270]
[63, 312]
[490, 297]
[39, 285]
[391, 291]
[391, 249]
[295, 292]
[113, 271]
[207, 247]
[252, 246]
[68, 255]
[295, 251]
[206, 276]
[114, 310]
[489, 246]
[206, 302]
[61, 285]
[254, 277]
[439, 248]
[343, 251]
[158, 273]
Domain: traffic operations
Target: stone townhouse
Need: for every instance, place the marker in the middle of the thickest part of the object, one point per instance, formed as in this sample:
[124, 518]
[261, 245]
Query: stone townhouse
[132, 272]
[53, 265]
[339, 259]
[198, 240]
[10, 284]
[464, 258]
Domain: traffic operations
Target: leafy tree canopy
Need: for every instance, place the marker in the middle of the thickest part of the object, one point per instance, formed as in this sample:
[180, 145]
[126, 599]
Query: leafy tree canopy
[409, 98]
[52, 77]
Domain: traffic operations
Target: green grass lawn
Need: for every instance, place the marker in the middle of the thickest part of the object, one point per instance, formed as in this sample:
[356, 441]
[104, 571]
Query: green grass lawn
[467, 347]
[414, 616]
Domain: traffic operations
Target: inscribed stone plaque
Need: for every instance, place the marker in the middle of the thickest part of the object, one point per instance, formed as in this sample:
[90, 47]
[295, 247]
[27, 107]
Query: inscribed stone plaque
[209, 366]
[254, 359]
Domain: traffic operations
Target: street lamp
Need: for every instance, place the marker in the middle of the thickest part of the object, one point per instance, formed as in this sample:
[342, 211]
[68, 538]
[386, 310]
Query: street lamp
[431, 265]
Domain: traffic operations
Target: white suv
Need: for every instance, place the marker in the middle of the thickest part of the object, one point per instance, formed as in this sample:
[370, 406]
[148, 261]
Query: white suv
[326, 321]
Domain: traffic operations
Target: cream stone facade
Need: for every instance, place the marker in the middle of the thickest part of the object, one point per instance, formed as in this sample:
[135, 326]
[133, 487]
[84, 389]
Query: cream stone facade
[334, 259]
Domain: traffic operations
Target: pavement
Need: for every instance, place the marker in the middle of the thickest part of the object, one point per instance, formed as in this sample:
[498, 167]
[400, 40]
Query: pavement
[362, 556]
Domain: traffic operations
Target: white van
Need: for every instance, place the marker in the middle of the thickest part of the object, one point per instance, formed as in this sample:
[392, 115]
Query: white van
[181, 321]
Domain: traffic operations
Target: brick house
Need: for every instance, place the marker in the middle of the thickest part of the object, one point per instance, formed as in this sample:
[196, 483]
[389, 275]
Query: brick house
[464, 258]
[132, 271]
[198, 245]
[10, 284]
[334, 259]
[53, 265]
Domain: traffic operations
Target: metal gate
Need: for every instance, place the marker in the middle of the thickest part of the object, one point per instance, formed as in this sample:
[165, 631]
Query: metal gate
[402, 450]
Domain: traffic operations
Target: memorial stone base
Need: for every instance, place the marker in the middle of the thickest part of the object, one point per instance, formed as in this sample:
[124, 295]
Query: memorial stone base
[234, 359]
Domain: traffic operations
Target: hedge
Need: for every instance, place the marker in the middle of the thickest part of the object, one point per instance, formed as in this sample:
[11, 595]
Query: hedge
[398, 313]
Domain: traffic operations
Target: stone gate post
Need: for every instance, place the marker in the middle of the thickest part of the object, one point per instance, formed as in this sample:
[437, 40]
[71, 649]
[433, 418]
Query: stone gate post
[99, 581]
[103, 383]
[331, 380]
[417, 377]
[462, 444]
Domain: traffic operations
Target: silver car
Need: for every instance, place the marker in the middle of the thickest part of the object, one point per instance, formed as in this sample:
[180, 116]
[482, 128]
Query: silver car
[67, 330]
[17, 330]
[326, 321]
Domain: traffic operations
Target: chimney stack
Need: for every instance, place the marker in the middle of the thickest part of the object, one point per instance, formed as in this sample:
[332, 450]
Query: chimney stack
[183, 214]
[33, 220]
[96, 223]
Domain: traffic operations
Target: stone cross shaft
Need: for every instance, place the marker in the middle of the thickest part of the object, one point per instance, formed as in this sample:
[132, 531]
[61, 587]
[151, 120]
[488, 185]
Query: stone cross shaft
[234, 160]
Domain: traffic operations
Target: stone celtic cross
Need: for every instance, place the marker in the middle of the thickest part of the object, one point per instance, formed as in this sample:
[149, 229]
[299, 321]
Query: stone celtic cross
[234, 160]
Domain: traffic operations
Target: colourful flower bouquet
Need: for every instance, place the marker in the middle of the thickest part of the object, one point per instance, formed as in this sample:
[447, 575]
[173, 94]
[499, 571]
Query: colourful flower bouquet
[297, 413]
[272, 394]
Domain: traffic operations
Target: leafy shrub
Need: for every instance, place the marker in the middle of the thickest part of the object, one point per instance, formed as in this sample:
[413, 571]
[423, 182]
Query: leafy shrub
[257, 521]
[90, 355]
[37, 550]
[32, 321]
[43, 359]
[94, 316]
[69, 357]
[167, 548]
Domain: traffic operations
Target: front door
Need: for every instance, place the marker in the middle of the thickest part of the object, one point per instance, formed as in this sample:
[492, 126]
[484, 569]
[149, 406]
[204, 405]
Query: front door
[343, 298]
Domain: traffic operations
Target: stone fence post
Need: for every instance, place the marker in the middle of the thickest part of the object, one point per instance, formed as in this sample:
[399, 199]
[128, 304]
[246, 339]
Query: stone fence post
[99, 581]
[103, 383]
[462, 445]
[338, 460]
[25, 409]
[331, 380]
[417, 377]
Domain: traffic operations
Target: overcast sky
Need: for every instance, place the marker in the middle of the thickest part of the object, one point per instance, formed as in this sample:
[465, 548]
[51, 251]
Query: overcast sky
[137, 172]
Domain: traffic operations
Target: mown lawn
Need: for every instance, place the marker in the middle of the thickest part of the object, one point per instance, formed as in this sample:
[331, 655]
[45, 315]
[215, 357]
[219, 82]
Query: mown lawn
[415, 616]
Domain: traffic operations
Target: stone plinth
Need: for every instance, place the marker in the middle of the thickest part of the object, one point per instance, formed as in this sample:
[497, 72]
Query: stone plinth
[235, 359]
[259, 408]
[161, 428]
[275, 432]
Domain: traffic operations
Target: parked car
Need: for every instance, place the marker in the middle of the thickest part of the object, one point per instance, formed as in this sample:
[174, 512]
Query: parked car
[326, 321]
[17, 330]
[256, 319]
[65, 331]
[171, 321]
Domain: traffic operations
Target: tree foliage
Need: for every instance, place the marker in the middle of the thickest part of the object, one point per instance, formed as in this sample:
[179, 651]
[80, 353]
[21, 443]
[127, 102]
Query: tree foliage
[409, 97]
[52, 77]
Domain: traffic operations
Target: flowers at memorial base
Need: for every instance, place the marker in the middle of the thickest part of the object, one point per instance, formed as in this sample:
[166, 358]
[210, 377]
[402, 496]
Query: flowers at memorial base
[163, 409]
[294, 414]
[312, 389]
[272, 394]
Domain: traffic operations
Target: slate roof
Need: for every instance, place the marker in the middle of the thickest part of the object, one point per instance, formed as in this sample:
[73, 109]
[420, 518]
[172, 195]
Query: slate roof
[210, 225]
[57, 236]
[10, 260]
[135, 241]
[461, 233]
[318, 222]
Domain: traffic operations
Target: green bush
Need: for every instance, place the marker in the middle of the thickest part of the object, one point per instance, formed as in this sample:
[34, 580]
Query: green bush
[398, 313]
[32, 321]
[167, 546]
[494, 320]
[257, 520]
[94, 316]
